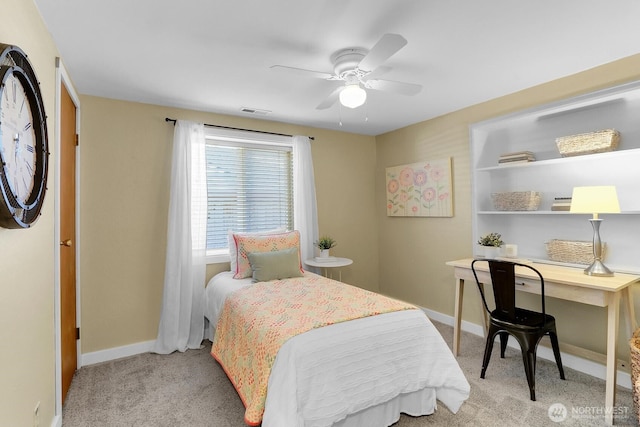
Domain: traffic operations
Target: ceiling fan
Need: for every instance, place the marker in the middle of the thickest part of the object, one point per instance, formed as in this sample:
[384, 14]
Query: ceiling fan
[357, 67]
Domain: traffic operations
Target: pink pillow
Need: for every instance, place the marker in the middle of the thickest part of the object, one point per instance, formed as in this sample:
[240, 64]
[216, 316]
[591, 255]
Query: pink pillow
[233, 250]
[264, 243]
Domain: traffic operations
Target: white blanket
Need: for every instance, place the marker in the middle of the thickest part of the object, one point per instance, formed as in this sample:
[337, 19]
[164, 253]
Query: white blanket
[362, 372]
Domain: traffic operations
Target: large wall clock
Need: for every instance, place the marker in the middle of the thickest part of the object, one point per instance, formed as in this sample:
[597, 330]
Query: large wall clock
[23, 141]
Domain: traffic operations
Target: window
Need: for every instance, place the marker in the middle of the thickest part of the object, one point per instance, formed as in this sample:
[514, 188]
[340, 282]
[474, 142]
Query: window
[249, 185]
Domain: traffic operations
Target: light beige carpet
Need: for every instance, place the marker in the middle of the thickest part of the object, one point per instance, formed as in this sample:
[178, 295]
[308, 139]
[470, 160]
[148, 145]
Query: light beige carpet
[190, 389]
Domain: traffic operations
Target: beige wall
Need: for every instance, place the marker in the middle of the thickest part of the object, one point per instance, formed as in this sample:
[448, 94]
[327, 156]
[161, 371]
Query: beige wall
[125, 157]
[413, 251]
[27, 359]
[125, 163]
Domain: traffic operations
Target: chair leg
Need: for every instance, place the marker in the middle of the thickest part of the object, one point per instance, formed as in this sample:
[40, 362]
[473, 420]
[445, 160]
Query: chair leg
[488, 348]
[528, 346]
[504, 337]
[529, 366]
[556, 352]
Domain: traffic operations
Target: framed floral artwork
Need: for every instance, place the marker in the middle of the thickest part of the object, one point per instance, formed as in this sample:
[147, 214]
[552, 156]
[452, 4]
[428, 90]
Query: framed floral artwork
[420, 189]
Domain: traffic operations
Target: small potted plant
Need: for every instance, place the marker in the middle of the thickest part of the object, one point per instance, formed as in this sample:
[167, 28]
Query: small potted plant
[325, 243]
[490, 244]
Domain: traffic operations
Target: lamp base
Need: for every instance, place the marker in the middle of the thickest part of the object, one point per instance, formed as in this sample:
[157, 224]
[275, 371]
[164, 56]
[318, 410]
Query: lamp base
[598, 269]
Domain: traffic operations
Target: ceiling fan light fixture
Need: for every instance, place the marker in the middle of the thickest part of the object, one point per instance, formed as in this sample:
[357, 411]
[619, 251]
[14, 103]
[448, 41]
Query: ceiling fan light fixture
[353, 96]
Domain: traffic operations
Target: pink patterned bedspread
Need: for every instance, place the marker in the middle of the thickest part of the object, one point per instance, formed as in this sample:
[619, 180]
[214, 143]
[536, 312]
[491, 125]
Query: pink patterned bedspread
[258, 319]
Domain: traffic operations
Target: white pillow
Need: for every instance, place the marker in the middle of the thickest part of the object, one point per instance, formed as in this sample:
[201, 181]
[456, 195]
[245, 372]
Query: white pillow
[233, 249]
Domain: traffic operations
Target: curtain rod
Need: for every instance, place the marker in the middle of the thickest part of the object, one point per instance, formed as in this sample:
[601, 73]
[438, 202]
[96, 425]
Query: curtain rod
[167, 119]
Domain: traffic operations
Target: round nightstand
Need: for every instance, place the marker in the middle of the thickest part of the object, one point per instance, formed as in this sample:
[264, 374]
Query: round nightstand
[327, 263]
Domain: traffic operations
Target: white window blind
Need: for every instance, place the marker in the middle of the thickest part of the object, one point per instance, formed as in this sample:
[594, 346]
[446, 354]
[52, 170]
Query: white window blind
[249, 188]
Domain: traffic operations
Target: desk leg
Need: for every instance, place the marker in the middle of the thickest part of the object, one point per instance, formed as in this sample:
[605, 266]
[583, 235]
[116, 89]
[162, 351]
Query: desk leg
[613, 313]
[457, 316]
[627, 297]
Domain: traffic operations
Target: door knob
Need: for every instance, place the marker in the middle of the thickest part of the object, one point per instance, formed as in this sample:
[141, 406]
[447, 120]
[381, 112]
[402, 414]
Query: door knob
[65, 242]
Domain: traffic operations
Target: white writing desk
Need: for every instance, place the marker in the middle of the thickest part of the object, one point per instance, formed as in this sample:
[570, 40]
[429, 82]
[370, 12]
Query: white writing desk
[564, 283]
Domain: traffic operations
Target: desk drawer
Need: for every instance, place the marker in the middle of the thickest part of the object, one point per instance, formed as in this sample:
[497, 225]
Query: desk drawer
[581, 294]
[528, 285]
[563, 291]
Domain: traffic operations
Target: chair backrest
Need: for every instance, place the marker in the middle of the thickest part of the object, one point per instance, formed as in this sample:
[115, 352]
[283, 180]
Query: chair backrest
[503, 281]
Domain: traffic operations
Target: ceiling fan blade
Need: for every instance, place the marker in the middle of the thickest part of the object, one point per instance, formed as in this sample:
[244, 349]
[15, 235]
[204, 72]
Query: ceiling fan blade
[380, 71]
[331, 99]
[303, 72]
[392, 86]
[388, 45]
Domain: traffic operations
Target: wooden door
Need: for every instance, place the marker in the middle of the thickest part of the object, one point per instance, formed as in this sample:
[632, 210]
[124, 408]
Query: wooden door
[68, 323]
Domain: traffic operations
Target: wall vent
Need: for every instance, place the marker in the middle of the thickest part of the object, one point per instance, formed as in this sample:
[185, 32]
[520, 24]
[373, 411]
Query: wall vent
[255, 111]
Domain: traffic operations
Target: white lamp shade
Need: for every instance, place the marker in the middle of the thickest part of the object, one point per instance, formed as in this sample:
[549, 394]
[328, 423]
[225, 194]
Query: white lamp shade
[353, 96]
[595, 200]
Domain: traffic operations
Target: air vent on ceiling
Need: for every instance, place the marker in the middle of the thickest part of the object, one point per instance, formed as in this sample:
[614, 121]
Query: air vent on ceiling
[255, 111]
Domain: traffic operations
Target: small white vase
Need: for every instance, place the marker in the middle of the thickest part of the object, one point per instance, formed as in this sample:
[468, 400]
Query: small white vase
[491, 252]
[324, 253]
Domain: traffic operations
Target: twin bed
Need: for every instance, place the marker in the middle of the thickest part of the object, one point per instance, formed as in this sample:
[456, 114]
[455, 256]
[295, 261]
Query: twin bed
[328, 353]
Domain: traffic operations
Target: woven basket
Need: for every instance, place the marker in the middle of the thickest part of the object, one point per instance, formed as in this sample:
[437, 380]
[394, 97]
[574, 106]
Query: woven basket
[516, 201]
[572, 251]
[634, 349]
[588, 143]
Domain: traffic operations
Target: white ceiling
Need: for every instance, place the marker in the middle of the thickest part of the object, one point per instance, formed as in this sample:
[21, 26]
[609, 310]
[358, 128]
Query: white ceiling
[215, 56]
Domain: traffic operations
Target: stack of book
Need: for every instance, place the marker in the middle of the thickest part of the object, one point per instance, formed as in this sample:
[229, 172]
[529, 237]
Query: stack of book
[519, 157]
[561, 204]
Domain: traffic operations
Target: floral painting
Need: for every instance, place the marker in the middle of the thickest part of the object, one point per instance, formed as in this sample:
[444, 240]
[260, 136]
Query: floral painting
[420, 189]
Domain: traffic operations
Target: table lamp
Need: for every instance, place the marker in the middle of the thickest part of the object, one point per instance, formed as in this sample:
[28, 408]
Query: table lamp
[595, 200]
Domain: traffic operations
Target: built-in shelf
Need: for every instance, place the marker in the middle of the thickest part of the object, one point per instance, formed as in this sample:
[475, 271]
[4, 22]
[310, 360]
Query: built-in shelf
[598, 158]
[554, 176]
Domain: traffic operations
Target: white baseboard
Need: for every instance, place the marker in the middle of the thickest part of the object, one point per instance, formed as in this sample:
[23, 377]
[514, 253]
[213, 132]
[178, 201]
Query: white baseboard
[57, 421]
[116, 353]
[580, 364]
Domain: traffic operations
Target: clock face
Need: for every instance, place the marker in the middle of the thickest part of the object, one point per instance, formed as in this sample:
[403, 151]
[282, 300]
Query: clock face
[23, 141]
[17, 146]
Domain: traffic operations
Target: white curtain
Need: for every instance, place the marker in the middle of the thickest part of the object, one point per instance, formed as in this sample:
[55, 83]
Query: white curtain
[182, 318]
[305, 213]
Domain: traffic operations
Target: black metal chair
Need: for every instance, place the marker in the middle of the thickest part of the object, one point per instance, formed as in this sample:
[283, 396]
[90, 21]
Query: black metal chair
[527, 326]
